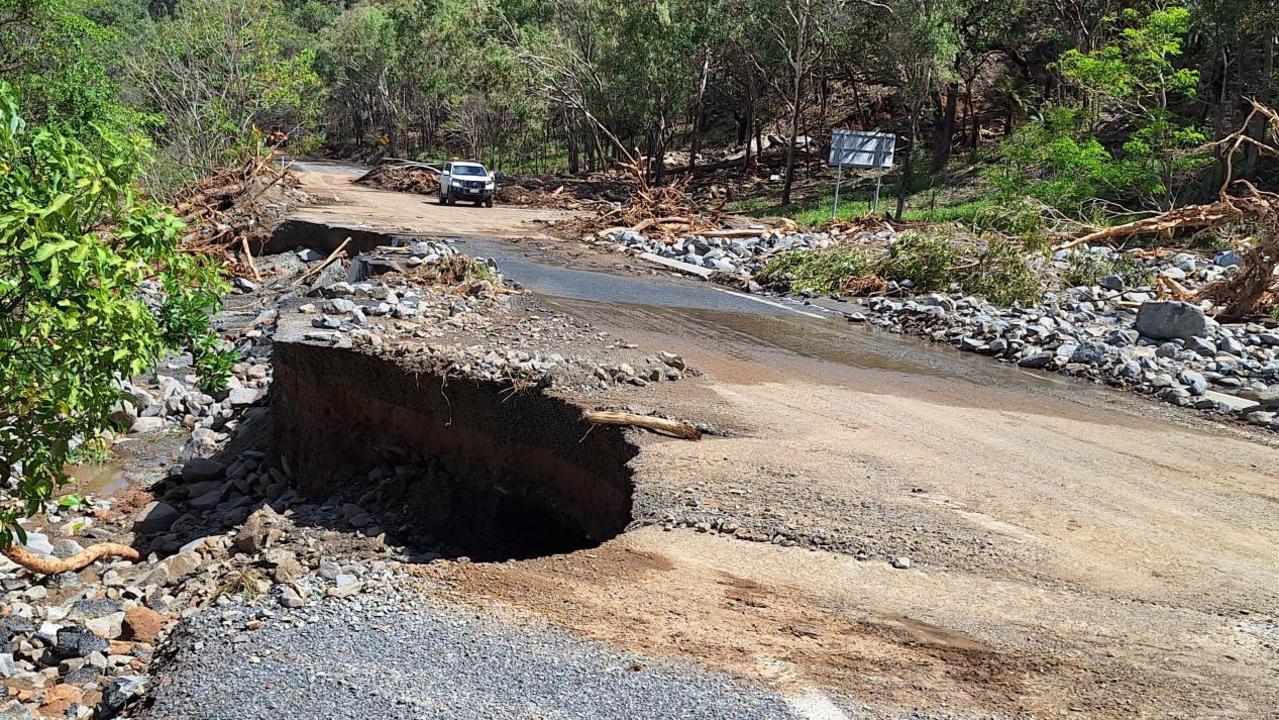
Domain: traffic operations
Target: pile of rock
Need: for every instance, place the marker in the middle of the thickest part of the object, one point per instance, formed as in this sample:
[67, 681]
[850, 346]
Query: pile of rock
[740, 256]
[1166, 348]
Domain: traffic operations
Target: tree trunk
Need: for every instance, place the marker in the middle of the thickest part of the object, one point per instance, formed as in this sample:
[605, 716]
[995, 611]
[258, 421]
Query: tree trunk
[1257, 131]
[908, 172]
[700, 110]
[945, 129]
[794, 133]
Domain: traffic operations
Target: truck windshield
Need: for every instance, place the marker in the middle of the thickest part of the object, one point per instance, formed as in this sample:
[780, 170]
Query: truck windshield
[472, 170]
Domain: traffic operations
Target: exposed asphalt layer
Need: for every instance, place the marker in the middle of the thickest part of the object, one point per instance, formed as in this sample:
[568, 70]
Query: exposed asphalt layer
[372, 659]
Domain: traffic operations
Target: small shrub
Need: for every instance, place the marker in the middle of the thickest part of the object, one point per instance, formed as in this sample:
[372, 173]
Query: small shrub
[1087, 268]
[820, 271]
[1004, 274]
[925, 260]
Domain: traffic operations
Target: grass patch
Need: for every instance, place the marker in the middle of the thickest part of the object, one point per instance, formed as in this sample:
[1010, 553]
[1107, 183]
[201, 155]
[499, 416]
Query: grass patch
[243, 585]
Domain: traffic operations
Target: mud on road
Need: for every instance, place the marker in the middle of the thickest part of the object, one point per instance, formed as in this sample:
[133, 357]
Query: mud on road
[886, 526]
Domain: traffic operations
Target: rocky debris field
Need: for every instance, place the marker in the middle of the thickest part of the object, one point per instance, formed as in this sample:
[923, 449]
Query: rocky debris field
[223, 529]
[1123, 329]
[1113, 333]
[743, 256]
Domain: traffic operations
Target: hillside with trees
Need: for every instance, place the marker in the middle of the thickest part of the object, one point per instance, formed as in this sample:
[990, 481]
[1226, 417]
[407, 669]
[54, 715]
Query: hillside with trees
[1088, 106]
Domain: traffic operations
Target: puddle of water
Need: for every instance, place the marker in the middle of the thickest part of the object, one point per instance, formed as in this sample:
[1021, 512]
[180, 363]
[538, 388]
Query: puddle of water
[100, 480]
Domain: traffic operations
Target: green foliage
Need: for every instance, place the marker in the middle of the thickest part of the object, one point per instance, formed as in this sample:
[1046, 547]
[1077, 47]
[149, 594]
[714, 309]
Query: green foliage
[78, 252]
[1087, 268]
[925, 259]
[1004, 274]
[218, 74]
[1058, 158]
[52, 55]
[819, 271]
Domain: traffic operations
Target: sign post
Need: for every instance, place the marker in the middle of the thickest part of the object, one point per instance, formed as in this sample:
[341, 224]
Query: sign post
[861, 149]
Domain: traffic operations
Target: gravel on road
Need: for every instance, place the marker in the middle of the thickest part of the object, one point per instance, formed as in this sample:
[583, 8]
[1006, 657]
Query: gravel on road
[384, 658]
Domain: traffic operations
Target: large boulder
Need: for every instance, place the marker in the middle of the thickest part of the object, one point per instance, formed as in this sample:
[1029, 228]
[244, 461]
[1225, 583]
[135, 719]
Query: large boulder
[1159, 320]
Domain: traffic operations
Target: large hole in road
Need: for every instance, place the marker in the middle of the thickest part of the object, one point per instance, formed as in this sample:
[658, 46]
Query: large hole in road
[465, 465]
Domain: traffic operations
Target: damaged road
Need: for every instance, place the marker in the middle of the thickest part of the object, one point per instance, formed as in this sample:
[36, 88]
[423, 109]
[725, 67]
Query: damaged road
[872, 526]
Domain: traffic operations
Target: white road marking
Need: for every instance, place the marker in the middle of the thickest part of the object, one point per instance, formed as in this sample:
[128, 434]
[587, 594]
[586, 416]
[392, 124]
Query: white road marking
[778, 305]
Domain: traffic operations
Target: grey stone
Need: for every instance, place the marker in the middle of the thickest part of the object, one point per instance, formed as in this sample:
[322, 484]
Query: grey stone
[38, 543]
[1194, 381]
[176, 567]
[15, 710]
[198, 470]
[1112, 282]
[1232, 403]
[66, 547]
[1160, 320]
[1228, 258]
[147, 424]
[1123, 338]
[1037, 360]
[108, 626]
[1201, 346]
[7, 664]
[120, 690]
[1267, 399]
[901, 563]
[289, 598]
[241, 397]
[77, 641]
[156, 517]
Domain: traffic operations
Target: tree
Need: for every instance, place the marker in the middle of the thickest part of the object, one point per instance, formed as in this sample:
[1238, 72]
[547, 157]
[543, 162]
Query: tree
[1136, 77]
[93, 291]
[215, 72]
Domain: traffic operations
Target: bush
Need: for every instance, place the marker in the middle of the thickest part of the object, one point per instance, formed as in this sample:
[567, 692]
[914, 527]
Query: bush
[1004, 274]
[77, 247]
[820, 271]
[925, 260]
[1086, 268]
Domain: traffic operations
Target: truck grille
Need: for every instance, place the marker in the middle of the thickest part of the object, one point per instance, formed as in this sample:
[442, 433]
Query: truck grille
[475, 184]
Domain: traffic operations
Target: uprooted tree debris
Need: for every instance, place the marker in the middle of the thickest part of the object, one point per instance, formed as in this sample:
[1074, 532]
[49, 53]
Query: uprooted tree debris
[231, 212]
[1236, 296]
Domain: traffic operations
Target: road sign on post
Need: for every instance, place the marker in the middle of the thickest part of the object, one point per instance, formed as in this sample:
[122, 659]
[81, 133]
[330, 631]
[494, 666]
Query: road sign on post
[861, 149]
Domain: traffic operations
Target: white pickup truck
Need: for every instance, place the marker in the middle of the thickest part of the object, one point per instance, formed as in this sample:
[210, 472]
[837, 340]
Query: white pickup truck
[466, 181]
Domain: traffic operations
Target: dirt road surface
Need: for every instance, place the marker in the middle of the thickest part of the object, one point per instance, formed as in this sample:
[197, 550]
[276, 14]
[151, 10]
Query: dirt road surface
[1072, 551]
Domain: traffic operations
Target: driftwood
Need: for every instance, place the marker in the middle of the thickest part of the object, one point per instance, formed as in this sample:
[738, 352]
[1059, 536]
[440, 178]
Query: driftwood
[248, 258]
[673, 428]
[1237, 296]
[1192, 217]
[79, 561]
[327, 262]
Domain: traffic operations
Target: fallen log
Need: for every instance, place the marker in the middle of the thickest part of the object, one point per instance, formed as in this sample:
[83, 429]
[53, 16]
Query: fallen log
[736, 233]
[678, 266]
[673, 428]
[327, 262]
[1191, 217]
[79, 561]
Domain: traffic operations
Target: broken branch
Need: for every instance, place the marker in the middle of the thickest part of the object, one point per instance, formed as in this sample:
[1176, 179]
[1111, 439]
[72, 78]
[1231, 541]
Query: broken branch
[79, 561]
[673, 428]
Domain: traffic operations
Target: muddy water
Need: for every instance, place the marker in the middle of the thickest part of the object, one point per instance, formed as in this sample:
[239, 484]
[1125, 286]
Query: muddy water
[747, 339]
[97, 479]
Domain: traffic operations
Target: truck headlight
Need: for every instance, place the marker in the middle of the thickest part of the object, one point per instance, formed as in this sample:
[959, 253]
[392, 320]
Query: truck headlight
[456, 183]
